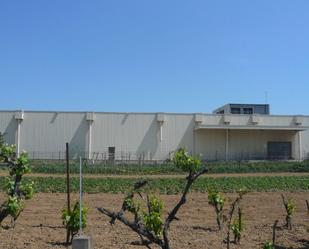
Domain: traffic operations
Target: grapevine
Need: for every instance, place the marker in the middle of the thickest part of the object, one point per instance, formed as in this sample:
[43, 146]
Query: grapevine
[18, 189]
[149, 224]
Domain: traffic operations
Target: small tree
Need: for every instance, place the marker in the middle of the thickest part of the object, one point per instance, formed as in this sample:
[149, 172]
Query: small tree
[289, 208]
[150, 225]
[70, 220]
[17, 188]
[238, 227]
[217, 200]
[2, 141]
[268, 244]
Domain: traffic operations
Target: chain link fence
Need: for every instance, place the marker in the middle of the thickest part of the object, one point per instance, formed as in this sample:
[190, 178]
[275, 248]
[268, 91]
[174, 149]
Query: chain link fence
[125, 157]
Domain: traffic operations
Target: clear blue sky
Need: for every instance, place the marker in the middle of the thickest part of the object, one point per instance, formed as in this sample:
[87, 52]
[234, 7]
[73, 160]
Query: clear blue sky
[154, 56]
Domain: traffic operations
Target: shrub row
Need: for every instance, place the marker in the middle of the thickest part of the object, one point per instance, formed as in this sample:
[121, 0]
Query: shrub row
[131, 169]
[173, 185]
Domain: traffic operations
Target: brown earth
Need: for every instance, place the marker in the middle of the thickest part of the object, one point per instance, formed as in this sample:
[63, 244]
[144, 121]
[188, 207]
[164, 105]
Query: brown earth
[39, 226]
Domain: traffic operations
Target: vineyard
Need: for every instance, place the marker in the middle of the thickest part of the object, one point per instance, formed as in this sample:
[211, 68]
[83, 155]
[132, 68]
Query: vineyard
[170, 185]
[177, 205]
[40, 225]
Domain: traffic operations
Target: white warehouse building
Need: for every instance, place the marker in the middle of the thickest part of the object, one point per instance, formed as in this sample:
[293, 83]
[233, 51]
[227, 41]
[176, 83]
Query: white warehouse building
[232, 132]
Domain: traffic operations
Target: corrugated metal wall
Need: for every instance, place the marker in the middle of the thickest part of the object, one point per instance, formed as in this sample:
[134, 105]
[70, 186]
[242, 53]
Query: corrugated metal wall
[8, 126]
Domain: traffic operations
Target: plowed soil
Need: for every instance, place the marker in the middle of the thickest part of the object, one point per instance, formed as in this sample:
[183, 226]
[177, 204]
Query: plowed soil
[39, 226]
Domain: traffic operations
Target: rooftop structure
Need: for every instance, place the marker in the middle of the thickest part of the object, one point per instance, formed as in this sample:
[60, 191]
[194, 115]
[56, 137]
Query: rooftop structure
[243, 109]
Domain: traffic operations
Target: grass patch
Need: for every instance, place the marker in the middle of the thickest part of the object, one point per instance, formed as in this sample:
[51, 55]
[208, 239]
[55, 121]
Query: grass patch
[258, 167]
[173, 185]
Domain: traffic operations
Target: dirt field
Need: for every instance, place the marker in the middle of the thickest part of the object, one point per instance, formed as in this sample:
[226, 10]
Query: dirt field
[40, 225]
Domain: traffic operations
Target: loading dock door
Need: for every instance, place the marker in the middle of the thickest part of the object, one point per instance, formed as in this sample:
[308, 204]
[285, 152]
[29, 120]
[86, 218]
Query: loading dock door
[279, 150]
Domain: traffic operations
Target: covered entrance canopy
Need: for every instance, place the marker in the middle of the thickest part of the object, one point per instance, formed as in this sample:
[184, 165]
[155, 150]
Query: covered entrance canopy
[241, 142]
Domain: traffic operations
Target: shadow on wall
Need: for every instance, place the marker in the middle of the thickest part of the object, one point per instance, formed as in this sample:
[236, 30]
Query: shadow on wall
[187, 140]
[78, 142]
[123, 121]
[9, 133]
[54, 117]
[150, 141]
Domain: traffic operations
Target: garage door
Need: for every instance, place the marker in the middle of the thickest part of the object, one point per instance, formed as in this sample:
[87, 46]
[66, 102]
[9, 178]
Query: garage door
[279, 150]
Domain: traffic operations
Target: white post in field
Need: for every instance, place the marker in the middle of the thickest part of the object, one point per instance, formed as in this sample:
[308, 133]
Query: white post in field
[80, 197]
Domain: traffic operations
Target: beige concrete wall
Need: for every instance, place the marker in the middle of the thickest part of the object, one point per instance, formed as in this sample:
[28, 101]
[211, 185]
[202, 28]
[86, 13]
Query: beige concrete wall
[210, 144]
[305, 139]
[46, 132]
[140, 133]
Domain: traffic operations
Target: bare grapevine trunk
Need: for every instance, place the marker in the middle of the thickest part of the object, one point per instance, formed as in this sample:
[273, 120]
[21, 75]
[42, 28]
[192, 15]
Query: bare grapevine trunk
[183, 161]
[218, 217]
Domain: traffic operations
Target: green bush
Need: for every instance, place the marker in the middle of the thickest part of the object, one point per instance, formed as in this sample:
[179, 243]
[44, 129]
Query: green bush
[17, 189]
[268, 245]
[217, 200]
[153, 219]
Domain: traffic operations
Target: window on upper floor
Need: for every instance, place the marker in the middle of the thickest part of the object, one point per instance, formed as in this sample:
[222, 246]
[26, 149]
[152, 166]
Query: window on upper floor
[248, 110]
[235, 110]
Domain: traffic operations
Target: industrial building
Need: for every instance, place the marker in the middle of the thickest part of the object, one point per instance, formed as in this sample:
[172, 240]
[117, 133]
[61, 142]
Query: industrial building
[232, 132]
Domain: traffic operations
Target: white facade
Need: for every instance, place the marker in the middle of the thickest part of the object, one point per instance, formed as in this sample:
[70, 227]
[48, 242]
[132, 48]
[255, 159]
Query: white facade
[154, 136]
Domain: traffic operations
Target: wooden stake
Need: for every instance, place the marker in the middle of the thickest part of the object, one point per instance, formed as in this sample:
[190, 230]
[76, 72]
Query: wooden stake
[68, 185]
[274, 232]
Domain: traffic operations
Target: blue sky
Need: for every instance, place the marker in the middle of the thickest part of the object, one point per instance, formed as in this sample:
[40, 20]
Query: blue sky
[154, 56]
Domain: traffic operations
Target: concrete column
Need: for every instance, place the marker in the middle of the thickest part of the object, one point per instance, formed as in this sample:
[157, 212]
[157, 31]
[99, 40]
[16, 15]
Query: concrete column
[160, 120]
[198, 120]
[90, 139]
[227, 145]
[90, 119]
[161, 131]
[19, 116]
[300, 146]
[194, 139]
[17, 142]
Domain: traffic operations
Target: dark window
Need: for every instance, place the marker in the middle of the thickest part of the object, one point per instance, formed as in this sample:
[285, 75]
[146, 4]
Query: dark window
[279, 150]
[220, 112]
[248, 111]
[235, 110]
[111, 153]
